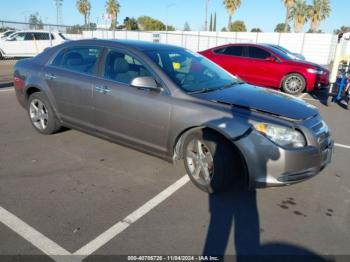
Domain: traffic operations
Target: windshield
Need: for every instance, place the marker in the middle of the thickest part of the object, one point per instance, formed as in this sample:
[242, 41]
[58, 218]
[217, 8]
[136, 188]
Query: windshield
[192, 72]
[8, 33]
[283, 52]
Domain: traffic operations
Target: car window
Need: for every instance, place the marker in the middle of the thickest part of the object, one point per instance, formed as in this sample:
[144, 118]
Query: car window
[234, 50]
[78, 59]
[258, 53]
[123, 67]
[42, 36]
[29, 37]
[18, 37]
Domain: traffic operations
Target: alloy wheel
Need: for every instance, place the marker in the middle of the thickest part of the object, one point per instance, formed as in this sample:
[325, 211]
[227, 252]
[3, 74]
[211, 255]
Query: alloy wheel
[38, 114]
[293, 84]
[200, 162]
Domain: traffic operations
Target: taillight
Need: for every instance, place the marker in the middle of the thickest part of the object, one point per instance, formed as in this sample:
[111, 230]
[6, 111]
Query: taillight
[18, 82]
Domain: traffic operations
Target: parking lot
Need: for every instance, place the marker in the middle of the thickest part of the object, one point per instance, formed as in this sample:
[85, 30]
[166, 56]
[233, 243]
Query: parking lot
[71, 193]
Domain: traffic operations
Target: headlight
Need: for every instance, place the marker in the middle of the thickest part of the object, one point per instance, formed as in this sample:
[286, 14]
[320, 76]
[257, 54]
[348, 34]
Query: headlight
[315, 71]
[282, 136]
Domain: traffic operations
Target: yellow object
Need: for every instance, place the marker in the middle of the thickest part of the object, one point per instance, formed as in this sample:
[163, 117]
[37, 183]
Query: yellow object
[176, 66]
[261, 127]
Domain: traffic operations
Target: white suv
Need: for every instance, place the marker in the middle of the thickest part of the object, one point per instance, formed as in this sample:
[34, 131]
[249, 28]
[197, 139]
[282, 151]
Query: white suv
[29, 43]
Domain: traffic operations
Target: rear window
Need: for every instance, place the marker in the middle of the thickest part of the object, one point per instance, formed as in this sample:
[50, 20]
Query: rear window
[43, 36]
[78, 59]
[230, 50]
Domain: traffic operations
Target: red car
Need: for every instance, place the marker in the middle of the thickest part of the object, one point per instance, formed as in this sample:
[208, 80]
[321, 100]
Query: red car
[264, 65]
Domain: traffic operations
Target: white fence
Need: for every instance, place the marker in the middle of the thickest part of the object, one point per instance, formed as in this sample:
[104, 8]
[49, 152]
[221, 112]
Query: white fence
[317, 48]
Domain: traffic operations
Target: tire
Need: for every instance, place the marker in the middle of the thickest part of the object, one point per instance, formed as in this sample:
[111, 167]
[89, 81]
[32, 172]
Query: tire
[213, 148]
[41, 114]
[293, 84]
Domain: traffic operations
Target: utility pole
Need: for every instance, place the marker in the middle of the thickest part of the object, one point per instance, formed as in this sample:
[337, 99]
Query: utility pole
[206, 15]
[167, 14]
[58, 4]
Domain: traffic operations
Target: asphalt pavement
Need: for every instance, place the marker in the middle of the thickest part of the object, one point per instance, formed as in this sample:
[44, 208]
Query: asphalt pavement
[72, 193]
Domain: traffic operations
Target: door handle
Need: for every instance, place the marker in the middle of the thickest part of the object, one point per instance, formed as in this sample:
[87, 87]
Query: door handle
[50, 76]
[102, 89]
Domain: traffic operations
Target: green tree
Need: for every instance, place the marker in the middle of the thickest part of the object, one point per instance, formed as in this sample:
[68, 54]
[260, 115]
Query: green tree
[342, 29]
[131, 23]
[299, 14]
[187, 27]
[318, 12]
[35, 21]
[84, 8]
[171, 28]
[211, 23]
[288, 5]
[280, 28]
[256, 30]
[75, 29]
[113, 8]
[238, 26]
[214, 25]
[150, 24]
[231, 6]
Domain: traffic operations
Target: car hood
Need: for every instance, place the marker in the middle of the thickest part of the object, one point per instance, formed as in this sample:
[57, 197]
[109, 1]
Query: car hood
[306, 64]
[263, 100]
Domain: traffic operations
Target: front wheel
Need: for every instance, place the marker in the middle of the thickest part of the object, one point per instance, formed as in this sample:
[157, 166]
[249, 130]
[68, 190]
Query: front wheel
[293, 84]
[209, 161]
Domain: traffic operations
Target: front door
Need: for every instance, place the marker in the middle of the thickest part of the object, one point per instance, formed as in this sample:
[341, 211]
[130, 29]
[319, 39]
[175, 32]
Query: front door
[138, 117]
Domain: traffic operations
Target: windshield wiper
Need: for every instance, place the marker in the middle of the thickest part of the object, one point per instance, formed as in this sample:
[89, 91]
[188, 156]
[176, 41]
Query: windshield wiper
[203, 90]
[207, 90]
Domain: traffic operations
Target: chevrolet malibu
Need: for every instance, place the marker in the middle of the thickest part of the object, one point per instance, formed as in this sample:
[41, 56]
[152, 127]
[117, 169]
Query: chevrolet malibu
[175, 104]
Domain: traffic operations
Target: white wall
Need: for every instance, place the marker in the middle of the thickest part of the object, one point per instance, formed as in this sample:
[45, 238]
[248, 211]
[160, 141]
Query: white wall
[317, 48]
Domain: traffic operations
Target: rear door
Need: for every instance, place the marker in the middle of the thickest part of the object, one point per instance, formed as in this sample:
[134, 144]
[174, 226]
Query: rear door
[71, 77]
[135, 116]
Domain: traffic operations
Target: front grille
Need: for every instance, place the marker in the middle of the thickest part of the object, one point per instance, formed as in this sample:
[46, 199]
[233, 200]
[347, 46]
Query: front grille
[321, 131]
[297, 176]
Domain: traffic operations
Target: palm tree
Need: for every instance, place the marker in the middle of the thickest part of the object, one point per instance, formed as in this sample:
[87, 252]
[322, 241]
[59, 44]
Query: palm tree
[299, 14]
[113, 8]
[231, 6]
[318, 12]
[84, 8]
[288, 4]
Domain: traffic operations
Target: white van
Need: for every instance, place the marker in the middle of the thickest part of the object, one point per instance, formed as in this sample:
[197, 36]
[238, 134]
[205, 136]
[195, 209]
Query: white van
[29, 43]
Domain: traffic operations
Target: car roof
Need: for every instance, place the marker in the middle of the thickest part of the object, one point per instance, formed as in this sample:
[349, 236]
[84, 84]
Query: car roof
[134, 44]
[241, 44]
[35, 31]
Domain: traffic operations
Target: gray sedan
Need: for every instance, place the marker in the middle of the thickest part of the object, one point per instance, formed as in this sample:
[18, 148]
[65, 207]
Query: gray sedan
[175, 104]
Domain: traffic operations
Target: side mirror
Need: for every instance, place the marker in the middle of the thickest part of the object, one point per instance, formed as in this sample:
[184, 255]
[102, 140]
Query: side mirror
[271, 59]
[145, 82]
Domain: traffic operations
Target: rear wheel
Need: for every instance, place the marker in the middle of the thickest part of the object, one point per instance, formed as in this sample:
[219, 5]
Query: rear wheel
[42, 115]
[209, 161]
[293, 84]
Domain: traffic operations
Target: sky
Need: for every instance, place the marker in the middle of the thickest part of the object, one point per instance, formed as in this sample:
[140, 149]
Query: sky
[265, 14]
